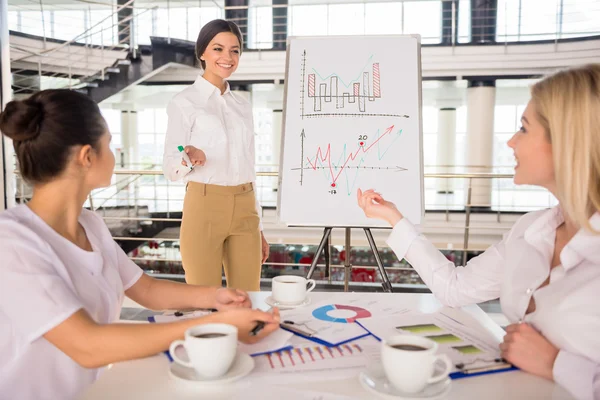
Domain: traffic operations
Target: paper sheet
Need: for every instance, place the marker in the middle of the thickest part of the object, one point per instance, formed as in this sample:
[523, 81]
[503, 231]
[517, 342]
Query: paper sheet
[468, 345]
[275, 341]
[334, 322]
[310, 356]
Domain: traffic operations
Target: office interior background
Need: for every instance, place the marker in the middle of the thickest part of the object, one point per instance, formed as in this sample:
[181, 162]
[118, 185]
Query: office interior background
[479, 58]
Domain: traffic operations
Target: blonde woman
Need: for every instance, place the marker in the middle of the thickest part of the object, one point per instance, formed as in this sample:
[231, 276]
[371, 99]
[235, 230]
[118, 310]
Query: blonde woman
[546, 270]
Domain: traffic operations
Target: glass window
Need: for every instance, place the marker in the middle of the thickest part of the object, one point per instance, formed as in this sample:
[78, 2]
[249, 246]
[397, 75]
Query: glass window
[346, 19]
[162, 23]
[106, 31]
[144, 26]
[260, 28]
[160, 116]
[13, 21]
[429, 149]
[308, 20]
[177, 18]
[430, 120]
[424, 18]
[580, 18]
[505, 119]
[68, 24]
[198, 17]
[113, 119]
[36, 23]
[539, 19]
[146, 121]
[383, 18]
[527, 20]
[464, 21]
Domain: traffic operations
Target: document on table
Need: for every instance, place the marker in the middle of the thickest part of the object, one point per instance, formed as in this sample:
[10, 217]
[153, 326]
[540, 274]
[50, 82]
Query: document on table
[470, 347]
[334, 323]
[276, 341]
[309, 356]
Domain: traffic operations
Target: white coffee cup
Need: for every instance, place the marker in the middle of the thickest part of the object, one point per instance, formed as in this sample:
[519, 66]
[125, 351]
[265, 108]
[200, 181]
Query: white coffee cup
[291, 289]
[409, 362]
[211, 349]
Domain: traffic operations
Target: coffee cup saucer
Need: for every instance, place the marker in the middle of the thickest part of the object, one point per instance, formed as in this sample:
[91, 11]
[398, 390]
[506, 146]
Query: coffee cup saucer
[373, 379]
[242, 366]
[274, 303]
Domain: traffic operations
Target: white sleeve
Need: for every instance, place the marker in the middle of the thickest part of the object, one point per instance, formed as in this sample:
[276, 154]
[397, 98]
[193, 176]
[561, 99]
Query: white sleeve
[453, 286]
[578, 374]
[178, 134]
[578, 370]
[252, 151]
[129, 271]
[33, 295]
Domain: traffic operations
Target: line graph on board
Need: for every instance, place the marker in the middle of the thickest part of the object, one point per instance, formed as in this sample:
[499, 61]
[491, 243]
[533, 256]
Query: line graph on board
[326, 90]
[346, 167]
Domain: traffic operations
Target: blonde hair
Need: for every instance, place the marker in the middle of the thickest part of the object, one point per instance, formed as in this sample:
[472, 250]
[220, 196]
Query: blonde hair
[568, 106]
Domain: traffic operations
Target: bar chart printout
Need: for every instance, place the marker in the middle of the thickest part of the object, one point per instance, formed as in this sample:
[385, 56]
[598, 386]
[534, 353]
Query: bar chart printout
[313, 358]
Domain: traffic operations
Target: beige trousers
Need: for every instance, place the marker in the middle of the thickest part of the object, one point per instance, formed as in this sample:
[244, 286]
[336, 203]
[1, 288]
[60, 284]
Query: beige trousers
[220, 230]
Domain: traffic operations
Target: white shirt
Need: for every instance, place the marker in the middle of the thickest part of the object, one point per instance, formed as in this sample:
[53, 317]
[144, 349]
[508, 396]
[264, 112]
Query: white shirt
[44, 279]
[222, 126]
[567, 310]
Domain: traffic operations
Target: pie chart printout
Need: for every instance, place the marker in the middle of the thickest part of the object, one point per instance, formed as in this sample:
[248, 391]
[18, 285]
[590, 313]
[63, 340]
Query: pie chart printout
[340, 313]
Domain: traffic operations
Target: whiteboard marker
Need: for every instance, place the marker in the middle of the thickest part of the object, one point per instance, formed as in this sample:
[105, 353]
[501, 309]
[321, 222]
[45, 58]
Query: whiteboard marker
[185, 157]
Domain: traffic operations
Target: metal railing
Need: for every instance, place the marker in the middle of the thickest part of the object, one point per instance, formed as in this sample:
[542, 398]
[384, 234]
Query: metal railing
[140, 198]
[83, 59]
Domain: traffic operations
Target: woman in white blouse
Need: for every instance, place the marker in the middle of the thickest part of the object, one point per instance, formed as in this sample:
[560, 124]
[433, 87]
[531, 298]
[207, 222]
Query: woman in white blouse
[63, 278]
[546, 270]
[221, 225]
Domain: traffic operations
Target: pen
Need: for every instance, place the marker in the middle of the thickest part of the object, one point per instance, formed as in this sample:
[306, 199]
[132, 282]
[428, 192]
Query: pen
[289, 325]
[259, 327]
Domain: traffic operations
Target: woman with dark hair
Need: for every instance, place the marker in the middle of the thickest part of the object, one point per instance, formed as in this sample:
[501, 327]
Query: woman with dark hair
[63, 278]
[221, 225]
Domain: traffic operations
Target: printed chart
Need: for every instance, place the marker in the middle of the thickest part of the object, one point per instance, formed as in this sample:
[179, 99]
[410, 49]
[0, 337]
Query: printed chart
[322, 313]
[469, 347]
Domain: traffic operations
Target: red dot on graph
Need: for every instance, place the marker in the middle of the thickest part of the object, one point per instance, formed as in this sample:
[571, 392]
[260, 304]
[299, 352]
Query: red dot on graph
[333, 185]
[362, 143]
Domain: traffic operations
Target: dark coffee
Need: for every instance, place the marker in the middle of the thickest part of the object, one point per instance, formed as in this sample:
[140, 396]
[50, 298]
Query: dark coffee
[209, 335]
[288, 282]
[409, 347]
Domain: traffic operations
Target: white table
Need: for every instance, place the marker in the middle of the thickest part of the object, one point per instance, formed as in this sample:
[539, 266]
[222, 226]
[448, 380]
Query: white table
[148, 379]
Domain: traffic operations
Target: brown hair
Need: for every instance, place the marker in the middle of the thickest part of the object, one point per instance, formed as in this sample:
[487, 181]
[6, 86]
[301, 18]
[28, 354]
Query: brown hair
[212, 29]
[46, 126]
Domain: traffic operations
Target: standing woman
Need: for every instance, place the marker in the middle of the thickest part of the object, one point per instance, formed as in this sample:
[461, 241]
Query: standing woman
[221, 225]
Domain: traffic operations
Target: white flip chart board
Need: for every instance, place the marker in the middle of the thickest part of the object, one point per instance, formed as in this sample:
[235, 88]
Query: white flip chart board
[352, 119]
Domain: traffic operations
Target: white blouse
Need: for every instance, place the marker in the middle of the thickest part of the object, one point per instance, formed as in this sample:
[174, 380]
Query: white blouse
[567, 310]
[222, 126]
[44, 279]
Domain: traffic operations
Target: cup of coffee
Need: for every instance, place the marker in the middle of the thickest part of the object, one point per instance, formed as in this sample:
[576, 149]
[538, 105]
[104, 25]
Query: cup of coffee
[291, 289]
[211, 349]
[409, 362]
